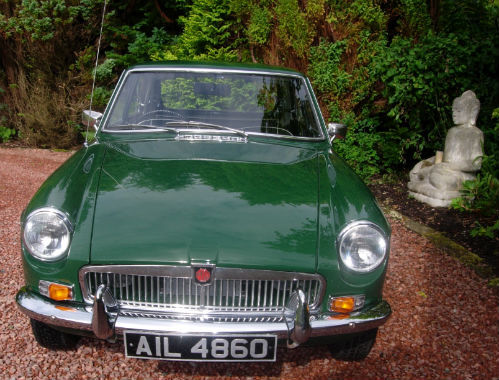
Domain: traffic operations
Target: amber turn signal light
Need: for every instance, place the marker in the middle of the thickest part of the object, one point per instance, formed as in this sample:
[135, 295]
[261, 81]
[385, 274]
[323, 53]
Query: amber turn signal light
[343, 304]
[55, 291]
[60, 292]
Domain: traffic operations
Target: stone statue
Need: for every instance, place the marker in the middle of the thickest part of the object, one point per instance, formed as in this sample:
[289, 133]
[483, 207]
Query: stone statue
[438, 179]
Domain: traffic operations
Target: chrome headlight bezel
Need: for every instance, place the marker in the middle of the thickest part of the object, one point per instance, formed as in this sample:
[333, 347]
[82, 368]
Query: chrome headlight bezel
[61, 221]
[380, 251]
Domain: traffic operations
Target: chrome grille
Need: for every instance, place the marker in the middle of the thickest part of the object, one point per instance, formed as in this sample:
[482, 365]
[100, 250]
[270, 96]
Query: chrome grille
[167, 289]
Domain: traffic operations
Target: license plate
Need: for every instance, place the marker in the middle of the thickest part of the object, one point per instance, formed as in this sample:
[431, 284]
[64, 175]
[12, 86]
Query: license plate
[209, 348]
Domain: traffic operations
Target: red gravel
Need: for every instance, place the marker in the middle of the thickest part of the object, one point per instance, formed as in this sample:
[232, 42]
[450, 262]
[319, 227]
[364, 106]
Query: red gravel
[444, 324]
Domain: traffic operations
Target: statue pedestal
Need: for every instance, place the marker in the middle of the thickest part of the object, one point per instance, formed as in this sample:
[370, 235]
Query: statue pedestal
[436, 184]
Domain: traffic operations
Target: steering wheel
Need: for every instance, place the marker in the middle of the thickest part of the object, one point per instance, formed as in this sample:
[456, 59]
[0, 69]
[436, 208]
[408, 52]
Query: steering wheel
[278, 130]
[162, 115]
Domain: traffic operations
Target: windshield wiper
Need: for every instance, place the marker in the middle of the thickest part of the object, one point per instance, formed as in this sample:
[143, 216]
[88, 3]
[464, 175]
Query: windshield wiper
[143, 126]
[201, 124]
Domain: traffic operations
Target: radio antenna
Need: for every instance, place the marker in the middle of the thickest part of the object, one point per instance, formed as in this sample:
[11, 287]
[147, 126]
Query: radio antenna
[95, 69]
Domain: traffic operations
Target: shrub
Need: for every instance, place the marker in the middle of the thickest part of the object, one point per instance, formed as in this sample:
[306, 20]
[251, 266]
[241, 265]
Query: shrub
[207, 32]
[101, 97]
[347, 92]
[360, 148]
[260, 25]
[420, 81]
[6, 133]
[45, 119]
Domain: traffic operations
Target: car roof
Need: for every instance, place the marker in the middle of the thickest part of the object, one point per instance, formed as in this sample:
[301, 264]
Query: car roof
[222, 66]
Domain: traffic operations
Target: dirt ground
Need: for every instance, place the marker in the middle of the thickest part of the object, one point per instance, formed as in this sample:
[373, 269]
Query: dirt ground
[445, 321]
[452, 223]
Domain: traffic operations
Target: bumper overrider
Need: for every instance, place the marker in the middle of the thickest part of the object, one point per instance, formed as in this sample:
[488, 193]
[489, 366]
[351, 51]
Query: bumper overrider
[103, 319]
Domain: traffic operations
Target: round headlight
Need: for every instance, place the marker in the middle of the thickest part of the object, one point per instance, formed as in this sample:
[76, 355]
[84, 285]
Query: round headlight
[362, 246]
[47, 234]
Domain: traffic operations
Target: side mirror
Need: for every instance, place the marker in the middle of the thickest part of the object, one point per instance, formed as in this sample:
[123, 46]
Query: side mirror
[91, 118]
[336, 131]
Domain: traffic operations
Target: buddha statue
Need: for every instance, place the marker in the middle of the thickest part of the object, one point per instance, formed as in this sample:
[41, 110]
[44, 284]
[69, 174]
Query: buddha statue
[437, 180]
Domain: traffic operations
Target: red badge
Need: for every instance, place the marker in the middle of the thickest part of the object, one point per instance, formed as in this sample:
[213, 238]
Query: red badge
[203, 275]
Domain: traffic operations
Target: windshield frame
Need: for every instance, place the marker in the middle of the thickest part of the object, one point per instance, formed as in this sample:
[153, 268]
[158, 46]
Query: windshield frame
[317, 115]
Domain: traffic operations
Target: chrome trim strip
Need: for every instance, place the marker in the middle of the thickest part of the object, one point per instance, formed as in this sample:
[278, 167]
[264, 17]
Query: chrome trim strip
[78, 317]
[214, 317]
[319, 115]
[313, 99]
[215, 70]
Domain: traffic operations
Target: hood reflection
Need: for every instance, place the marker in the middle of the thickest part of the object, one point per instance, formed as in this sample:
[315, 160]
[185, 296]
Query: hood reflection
[229, 213]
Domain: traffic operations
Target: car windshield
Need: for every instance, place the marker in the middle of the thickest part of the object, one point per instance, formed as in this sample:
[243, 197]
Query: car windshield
[231, 102]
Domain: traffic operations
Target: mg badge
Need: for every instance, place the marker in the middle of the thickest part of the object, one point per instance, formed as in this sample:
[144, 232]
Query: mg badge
[202, 276]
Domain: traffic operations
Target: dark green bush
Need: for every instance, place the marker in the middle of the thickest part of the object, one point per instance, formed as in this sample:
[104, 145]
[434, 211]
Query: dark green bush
[360, 148]
[420, 82]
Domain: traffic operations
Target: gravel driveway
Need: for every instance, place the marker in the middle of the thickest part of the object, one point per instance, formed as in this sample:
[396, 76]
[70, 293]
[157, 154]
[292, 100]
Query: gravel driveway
[444, 323]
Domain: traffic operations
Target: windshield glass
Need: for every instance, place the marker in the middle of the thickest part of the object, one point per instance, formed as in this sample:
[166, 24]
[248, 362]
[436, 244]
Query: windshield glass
[258, 103]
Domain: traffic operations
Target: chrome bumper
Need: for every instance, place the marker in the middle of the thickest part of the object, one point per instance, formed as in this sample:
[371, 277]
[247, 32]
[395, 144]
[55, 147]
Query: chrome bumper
[92, 319]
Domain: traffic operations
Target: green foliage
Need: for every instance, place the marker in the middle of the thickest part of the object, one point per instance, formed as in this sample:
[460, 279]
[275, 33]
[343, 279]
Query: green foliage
[140, 47]
[421, 81]
[360, 148]
[43, 41]
[488, 231]
[101, 97]
[347, 92]
[326, 69]
[180, 93]
[6, 133]
[292, 28]
[207, 32]
[481, 194]
[366, 14]
[260, 25]
[471, 18]
[88, 136]
[41, 18]
[415, 20]
[104, 71]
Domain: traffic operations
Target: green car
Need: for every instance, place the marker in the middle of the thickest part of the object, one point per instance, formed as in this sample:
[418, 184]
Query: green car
[209, 220]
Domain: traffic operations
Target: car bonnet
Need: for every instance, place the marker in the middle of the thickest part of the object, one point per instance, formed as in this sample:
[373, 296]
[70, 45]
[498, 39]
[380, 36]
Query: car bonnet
[249, 205]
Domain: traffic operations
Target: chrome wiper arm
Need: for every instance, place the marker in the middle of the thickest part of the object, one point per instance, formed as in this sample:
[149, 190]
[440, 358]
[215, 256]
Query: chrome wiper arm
[143, 126]
[207, 125]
